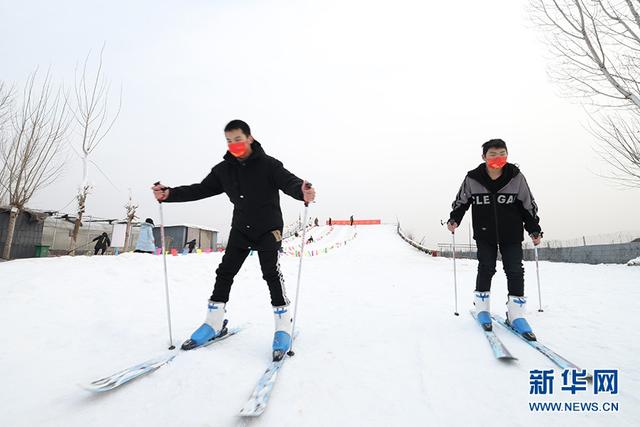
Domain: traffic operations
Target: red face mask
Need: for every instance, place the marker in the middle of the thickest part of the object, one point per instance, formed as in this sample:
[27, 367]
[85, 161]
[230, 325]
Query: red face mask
[497, 162]
[238, 149]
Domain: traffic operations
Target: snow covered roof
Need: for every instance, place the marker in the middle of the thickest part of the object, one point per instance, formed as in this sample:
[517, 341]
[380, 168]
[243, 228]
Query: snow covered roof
[201, 227]
[34, 213]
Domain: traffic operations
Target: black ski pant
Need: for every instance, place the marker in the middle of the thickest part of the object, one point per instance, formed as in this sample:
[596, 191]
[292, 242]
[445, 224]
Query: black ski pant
[99, 248]
[511, 263]
[232, 261]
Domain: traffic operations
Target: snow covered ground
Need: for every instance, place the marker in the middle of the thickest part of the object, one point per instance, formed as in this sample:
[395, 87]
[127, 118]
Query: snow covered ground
[379, 345]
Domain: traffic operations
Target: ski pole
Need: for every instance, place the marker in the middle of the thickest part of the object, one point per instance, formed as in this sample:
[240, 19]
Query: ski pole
[295, 307]
[455, 278]
[79, 247]
[535, 253]
[166, 278]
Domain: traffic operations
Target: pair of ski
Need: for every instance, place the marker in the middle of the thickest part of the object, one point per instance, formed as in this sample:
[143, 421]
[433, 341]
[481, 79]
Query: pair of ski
[254, 407]
[257, 403]
[501, 352]
[141, 369]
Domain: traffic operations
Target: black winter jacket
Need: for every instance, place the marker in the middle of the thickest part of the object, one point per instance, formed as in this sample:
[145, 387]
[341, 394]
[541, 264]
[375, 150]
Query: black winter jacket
[253, 187]
[500, 207]
[102, 241]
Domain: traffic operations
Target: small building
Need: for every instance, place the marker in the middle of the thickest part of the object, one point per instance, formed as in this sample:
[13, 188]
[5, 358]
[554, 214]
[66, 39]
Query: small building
[177, 236]
[58, 229]
[27, 234]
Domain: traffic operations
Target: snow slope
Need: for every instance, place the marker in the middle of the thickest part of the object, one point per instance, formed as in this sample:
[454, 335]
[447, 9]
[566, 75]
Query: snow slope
[379, 345]
[325, 239]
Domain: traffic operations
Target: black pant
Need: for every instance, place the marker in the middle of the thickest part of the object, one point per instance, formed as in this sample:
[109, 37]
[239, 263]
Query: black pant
[511, 262]
[232, 261]
[99, 248]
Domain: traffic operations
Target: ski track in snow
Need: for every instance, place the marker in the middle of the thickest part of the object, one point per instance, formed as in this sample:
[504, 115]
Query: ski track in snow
[379, 344]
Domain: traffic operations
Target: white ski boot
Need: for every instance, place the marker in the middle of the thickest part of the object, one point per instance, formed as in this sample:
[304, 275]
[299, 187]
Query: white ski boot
[282, 335]
[214, 326]
[483, 310]
[516, 307]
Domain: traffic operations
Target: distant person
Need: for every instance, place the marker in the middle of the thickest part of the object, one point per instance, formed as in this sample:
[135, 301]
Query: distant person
[102, 243]
[146, 243]
[330, 221]
[252, 180]
[502, 202]
[316, 222]
[351, 220]
[310, 239]
[191, 245]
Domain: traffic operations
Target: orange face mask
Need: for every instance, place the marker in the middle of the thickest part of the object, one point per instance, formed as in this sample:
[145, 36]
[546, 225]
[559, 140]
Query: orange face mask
[238, 149]
[497, 162]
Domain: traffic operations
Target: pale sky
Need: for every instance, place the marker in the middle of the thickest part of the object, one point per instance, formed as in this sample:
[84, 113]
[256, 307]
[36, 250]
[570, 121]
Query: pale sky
[382, 105]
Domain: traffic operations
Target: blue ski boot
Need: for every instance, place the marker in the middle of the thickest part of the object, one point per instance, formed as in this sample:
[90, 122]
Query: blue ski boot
[516, 307]
[214, 326]
[483, 310]
[282, 336]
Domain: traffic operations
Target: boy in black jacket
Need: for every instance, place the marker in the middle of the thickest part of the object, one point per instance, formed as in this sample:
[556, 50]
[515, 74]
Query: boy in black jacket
[503, 207]
[252, 181]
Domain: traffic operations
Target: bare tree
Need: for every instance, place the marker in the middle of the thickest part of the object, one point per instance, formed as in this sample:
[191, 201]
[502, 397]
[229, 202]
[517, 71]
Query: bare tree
[91, 98]
[131, 216]
[596, 44]
[32, 148]
[619, 138]
[6, 95]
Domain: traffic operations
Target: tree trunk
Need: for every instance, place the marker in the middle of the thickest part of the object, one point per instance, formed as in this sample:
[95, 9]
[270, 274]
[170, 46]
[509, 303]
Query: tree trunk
[127, 237]
[82, 199]
[13, 219]
[74, 234]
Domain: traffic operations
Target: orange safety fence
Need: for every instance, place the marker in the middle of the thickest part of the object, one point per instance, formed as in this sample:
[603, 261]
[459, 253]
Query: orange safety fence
[355, 222]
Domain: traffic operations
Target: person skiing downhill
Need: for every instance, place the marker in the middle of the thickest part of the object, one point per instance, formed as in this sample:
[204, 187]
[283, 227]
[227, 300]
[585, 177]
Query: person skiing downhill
[252, 181]
[503, 207]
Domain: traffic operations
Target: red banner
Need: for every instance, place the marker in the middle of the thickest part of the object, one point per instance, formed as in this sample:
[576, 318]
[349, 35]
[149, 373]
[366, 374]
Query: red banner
[355, 222]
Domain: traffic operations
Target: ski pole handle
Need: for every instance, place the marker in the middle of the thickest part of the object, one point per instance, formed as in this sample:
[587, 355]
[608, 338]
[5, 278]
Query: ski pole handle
[447, 223]
[307, 186]
[162, 188]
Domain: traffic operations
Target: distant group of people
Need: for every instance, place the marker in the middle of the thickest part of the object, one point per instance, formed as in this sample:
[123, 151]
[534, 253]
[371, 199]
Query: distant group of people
[330, 221]
[146, 243]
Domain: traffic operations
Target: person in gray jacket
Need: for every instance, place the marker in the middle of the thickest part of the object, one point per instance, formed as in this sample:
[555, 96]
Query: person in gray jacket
[502, 208]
